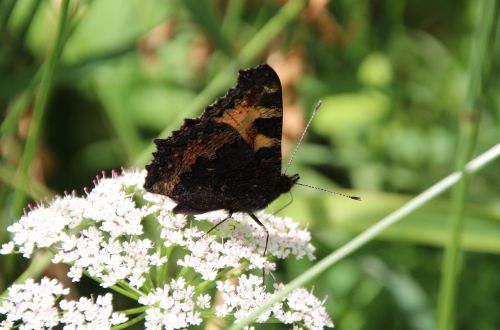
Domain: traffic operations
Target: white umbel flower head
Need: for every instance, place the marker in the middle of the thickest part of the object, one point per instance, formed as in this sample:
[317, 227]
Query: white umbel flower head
[102, 235]
[174, 306]
[33, 305]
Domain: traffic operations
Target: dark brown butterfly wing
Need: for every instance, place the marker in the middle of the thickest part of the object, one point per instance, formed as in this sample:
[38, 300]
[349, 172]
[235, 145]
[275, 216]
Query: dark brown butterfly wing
[228, 158]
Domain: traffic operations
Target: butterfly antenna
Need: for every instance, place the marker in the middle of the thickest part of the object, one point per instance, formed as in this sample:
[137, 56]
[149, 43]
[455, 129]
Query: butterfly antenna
[356, 198]
[302, 136]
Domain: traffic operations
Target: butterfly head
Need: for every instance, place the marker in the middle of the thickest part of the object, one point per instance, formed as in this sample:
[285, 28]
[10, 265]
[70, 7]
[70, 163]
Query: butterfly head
[287, 182]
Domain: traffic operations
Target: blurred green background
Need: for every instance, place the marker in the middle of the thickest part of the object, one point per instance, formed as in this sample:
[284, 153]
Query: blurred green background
[393, 77]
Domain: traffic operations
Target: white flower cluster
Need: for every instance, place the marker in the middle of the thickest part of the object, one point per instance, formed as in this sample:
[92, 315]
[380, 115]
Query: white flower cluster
[110, 260]
[34, 305]
[245, 242]
[174, 306]
[102, 235]
[108, 248]
[302, 307]
[299, 307]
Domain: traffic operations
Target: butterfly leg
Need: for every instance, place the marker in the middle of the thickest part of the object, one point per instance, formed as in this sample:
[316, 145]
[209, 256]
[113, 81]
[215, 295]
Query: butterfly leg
[267, 239]
[218, 224]
[286, 205]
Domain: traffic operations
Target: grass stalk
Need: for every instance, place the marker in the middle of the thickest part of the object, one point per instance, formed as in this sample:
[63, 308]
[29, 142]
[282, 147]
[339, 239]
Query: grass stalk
[206, 15]
[33, 188]
[6, 9]
[39, 262]
[221, 81]
[482, 44]
[17, 107]
[232, 17]
[40, 107]
[370, 233]
[23, 31]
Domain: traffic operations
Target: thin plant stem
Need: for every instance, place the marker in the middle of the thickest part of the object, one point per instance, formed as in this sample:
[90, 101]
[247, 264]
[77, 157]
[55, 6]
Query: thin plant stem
[372, 232]
[23, 31]
[232, 15]
[135, 310]
[40, 106]
[37, 266]
[275, 25]
[129, 323]
[132, 294]
[17, 107]
[34, 188]
[6, 9]
[248, 54]
[482, 44]
[205, 14]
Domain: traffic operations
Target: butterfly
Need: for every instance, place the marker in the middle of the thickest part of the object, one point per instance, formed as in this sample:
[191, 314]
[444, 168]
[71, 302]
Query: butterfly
[229, 158]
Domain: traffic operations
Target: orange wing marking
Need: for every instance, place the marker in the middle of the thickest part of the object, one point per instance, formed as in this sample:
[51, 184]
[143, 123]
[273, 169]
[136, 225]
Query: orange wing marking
[242, 118]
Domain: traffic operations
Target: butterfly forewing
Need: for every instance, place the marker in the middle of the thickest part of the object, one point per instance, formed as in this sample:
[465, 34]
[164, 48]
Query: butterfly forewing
[228, 158]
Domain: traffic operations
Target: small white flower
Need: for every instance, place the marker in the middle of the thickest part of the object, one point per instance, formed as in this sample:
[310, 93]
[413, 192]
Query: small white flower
[299, 306]
[33, 304]
[43, 226]
[203, 301]
[6, 325]
[86, 314]
[173, 306]
[7, 248]
[302, 306]
[114, 208]
[242, 299]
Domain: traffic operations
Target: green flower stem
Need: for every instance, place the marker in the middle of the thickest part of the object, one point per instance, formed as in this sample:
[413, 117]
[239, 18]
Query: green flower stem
[164, 271]
[370, 233]
[247, 55]
[135, 310]
[148, 285]
[124, 284]
[130, 322]
[158, 271]
[40, 107]
[482, 44]
[209, 284]
[37, 266]
[131, 293]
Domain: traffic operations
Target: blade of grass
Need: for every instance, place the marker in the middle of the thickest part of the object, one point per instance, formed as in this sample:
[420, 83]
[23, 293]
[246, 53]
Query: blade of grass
[23, 31]
[37, 266]
[231, 20]
[18, 106]
[64, 74]
[40, 106]
[370, 233]
[34, 189]
[482, 44]
[204, 13]
[6, 9]
[428, 226]
[220, 82]
[121, 121]
[275, 25]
